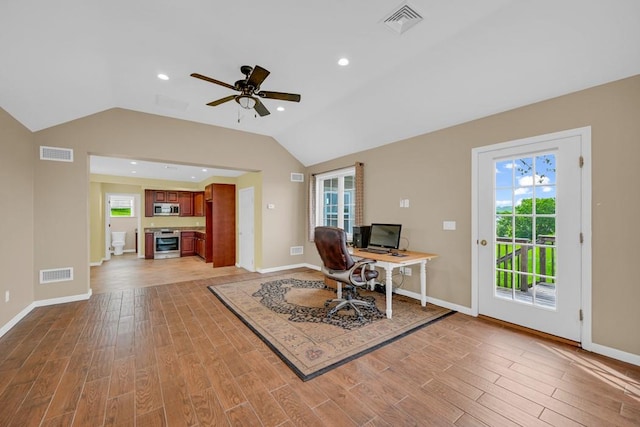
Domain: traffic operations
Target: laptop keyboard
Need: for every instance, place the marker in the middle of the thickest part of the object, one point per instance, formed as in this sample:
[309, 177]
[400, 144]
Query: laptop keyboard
[375, 251]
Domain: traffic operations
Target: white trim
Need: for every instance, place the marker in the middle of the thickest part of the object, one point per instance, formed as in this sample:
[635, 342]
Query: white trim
[435, 301]
[286, 267]
[18, 317]
[615, 354]
[586, 285]
[41, 303]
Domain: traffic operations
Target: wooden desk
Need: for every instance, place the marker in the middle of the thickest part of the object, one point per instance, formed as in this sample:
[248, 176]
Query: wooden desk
[389, 262]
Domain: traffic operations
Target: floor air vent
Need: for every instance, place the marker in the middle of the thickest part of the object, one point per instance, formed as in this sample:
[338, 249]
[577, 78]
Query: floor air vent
[57, 154]
[402, 18]
[56, 275]
[296, 250]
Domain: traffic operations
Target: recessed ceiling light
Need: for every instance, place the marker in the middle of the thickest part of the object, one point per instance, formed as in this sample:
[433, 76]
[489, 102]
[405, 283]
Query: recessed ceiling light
[163, 76]
[343, 62]
[193, 177]
[280, 108]
[134, 163]
[134, 172]
[204, 170]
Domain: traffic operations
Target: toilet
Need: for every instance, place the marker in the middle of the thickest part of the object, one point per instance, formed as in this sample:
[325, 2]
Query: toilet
[117, 241]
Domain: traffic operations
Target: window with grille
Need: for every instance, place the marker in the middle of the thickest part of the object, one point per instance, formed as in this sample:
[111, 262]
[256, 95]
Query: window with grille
[121, 206]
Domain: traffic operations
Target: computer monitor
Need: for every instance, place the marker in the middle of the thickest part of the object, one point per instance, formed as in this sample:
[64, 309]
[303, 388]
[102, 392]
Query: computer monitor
[385, 236]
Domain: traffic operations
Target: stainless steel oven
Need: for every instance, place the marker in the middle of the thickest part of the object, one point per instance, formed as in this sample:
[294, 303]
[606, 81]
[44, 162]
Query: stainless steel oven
[166, 244]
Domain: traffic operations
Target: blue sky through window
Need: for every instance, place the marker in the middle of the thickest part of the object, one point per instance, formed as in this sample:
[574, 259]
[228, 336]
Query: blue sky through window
[524, 178]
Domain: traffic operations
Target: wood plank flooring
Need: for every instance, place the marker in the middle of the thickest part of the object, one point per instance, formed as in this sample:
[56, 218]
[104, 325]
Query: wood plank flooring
[142, 355]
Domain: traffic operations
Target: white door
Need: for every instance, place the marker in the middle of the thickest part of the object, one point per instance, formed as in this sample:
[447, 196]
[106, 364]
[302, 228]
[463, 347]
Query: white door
[529, 233]
[245, 230]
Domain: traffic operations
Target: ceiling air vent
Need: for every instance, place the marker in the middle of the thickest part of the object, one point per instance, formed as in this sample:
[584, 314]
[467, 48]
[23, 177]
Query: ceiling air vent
[56, 275]
[402, 18]
[57, 154]
[297, 177]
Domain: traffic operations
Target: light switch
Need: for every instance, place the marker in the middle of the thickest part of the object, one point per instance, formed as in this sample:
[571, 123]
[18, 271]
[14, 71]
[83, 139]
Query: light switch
[448, 225]
[271, 206]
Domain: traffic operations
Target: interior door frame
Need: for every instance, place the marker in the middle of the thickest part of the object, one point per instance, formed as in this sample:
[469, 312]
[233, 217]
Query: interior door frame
[586, 254]
[107, 223]
[246, 218]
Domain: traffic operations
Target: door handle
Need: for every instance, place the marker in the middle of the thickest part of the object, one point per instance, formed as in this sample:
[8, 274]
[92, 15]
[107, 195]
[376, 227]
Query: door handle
[483, 242]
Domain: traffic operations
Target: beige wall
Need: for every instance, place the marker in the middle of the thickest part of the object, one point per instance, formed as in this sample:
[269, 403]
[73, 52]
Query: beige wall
[431, 170]
[434, 172]
[16, 224]
[62, 190]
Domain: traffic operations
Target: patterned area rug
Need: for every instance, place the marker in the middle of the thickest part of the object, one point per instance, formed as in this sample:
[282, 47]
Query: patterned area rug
[288, 314]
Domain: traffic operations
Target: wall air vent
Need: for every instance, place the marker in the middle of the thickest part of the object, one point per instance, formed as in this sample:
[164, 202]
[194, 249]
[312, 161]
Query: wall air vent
[402, 18]
[56, 153]
[296, 250]
[297, 177]
[56, 275]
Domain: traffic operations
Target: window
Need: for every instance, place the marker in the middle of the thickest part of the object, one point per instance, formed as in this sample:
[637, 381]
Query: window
[121, 206]
[335, 199]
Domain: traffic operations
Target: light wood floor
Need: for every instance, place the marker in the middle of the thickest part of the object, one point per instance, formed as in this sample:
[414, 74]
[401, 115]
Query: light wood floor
[136, 354]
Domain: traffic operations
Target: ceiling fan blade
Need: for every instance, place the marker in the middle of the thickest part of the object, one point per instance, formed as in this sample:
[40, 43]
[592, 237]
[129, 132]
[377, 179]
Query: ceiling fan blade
[279, 95]
[260, 108]
[257, 76]
[210, 80]
[221, 100]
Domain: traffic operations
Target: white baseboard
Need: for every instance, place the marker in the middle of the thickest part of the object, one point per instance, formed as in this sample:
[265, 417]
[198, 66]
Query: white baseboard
[286, 267]
[18, 317]
[440, 303]
[41, 303]
[613, 353]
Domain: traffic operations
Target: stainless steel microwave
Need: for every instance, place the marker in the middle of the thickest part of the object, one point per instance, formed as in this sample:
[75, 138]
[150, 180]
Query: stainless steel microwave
[166, 209]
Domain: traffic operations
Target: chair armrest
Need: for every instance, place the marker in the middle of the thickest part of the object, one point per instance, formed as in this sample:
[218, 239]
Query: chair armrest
[363, 264]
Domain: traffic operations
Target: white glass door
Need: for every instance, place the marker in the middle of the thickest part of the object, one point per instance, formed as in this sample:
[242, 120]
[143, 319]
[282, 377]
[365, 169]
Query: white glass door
[529, 229]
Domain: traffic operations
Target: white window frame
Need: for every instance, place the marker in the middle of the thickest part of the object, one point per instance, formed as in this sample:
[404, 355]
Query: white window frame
[320, 178]
[129, 198]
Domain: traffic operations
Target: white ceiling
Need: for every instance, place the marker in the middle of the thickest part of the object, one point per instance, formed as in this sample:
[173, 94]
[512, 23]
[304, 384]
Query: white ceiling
[467, 59]
[147, 169]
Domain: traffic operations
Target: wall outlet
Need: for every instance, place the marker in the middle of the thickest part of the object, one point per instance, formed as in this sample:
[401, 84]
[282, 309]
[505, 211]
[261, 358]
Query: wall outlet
[7, 296]
[448, 225]
[407, 271]
[197, 223]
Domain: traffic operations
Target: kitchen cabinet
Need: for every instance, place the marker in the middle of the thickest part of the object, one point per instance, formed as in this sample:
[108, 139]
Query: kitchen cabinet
[187, 243]
[221, 224]
[164, 196]
[198, 203]
[200, 245]
[148, 245]
[148, 202]
[186, 203]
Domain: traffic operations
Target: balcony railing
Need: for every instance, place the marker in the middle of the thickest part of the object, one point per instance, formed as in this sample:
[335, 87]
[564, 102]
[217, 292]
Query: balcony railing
[517, 258]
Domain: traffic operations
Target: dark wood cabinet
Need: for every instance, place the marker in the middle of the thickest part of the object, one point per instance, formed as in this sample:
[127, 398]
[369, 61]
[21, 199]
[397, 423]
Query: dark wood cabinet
[198, 203]
[148, 245]
[221, 224]
[187, 243]
[191, 202]
[148, 202]
[200, 246]
[186, 203]
[164, 196]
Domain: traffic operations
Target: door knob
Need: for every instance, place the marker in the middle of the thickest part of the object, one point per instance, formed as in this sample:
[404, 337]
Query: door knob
[483, 242]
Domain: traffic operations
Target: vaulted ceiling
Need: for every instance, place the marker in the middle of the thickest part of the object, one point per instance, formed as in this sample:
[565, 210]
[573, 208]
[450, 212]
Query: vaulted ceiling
[464, 60]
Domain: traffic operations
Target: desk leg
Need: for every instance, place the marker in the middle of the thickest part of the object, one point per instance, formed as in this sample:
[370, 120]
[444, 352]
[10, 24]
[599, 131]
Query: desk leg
[423, 283]
[389, 289]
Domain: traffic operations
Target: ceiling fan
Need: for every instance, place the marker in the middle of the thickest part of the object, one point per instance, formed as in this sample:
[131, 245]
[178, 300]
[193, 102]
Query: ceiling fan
[249, 89]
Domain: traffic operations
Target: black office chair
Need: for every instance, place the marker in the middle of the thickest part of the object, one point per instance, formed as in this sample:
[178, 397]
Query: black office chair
[338, 265]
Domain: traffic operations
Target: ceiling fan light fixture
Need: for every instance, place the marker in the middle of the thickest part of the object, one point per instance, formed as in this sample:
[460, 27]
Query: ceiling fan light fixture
[246, 102]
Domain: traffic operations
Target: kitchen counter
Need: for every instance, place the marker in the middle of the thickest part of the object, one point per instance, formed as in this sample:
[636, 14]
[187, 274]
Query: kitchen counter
[154, 229]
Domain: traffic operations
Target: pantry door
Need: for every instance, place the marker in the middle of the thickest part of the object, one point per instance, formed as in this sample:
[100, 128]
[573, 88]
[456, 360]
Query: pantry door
[530, 237]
